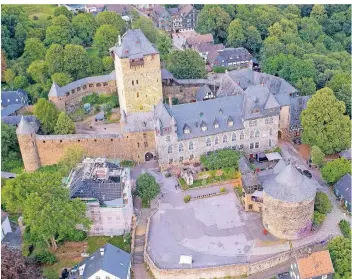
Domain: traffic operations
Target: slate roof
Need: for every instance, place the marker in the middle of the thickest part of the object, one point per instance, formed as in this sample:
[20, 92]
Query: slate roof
[202, 92]
[120, 9]
[139, 122]
[290, 185]
[315, 265]
[250, 180]
[232, 54]
[16, 119]
[346, 154]
[185, 9]
[14, 97]
[244, 166]
[24, 127]
[173, 11]
[207, 47]
[194, 40]
[298, 104]
[160, 11]
[193, 114]
[134, 43]
[57, 91]
[165, 74]
[4, 215]
[344, 187]
[114, 261]
[10, 109]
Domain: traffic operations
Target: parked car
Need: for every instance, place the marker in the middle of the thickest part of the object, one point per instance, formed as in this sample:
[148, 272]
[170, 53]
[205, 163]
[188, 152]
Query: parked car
[260, 157]
[299, 169]
[297, 141]
[307, 173]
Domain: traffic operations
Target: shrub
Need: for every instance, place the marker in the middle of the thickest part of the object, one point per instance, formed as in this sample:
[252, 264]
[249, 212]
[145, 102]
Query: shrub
[322, 203]
[221, 159]
[277, 149]
[168, 174]
[345, 228]
[45, 257]
[77, 235]
[127, 163]
[127, 238]
[318, 218]
[239, 190]
[219, 69]
[223, 190]
[187, 199]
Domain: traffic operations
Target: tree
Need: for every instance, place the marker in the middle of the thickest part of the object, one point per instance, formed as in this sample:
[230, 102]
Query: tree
[105, 37]
[317, 156]
[318, 218]
[344, 95]
[54, 59]
[61, 79]
[3, 65]
[146, 187]
[338, 80]
[47, 114]
[10, 150]
[324, 123]
[111, 18]
[322, 203]
[75, 61]
[340, 252]
[14, 265]
[148, 28]
[220, 159]
[108, 64]
[9, 77]
[271, 47]
[95, 65]
[57, 35]
[62, 10]
[306, 86]
[235, 33]
[38, 71]
[34, 50]
[163, 44]
[64, 125]
[213, 19]
[186, 64]
[84, 26]
[253, 40]
[319, 14]
[333, 171]
[20, 82]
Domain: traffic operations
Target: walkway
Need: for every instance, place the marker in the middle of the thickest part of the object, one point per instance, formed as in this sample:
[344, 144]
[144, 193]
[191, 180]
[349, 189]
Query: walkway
[5, 174]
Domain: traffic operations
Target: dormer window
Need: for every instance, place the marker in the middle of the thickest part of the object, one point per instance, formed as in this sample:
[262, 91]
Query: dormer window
[216, 124]
[203, 126]
[186, 129]
[230, 121]
[255, 110]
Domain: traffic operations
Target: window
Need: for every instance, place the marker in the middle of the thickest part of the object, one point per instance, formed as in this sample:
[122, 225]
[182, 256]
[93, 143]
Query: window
[170, 161]
[257, 145]
[145, 144]
[252, 123]
[137, 81]
[251, 146]
[168, 138]
[169, 149]
[132, 82]
[181, 159]
[270, 132]
[233, 138]
[216, 125]
[242, 136]
[252, 135]
[191, 157]
[224, 139]
[257, 134]
[269, 142]
[208, 143]
[180, 147]
[269, 120]
[190, 145]
[137, 94]
[216, 141]
[138, 144]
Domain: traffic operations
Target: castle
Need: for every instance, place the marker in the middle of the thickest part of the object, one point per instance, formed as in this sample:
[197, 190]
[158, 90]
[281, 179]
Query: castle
[248, 113]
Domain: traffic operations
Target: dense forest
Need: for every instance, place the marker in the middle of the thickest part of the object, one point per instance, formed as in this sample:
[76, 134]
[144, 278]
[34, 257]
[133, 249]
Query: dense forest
[308, 45]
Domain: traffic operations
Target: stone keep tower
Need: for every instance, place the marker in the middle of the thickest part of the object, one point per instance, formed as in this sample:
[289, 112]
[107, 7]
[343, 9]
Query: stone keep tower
[138, 75]
[26, 135]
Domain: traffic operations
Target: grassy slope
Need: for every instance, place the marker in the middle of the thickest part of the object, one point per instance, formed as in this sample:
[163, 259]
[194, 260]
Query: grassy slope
[41, 11]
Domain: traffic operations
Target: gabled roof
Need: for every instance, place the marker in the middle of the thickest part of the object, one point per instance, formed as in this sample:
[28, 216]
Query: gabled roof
[160, 10]
[208, 47]
[14, 97]
[10, 109]
[114, 261]
[185, 9]
[271, 102]
[202, 92]
[344, 187]
[316, 264]
[234, 54]
[206, 38]
[134, 44]
[121, 9]
[25, 127]
[165, 74]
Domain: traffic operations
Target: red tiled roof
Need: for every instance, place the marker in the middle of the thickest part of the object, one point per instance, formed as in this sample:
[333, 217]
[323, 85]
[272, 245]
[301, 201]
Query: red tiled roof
[206, 38]
[317, 264]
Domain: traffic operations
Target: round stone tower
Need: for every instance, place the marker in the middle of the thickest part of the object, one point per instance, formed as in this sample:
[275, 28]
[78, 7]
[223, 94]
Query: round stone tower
[26, 135]
[288, 204]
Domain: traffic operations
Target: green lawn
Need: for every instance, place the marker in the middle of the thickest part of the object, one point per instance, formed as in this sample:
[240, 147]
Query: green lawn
[95, 242]
[41, 11]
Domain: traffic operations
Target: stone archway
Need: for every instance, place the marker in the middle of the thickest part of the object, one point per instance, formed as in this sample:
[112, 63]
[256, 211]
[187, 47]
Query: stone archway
[148, 156]
[279, 134]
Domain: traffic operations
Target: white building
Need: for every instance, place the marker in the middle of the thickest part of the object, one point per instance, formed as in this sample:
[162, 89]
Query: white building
[106, 189]
[5, 225]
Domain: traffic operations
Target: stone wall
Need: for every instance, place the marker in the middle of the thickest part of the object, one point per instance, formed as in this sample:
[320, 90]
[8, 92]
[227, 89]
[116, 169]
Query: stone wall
[185, 94]
[287, 220]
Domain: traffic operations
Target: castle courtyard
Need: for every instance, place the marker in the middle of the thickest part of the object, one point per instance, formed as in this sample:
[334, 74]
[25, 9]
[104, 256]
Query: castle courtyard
[214, 231]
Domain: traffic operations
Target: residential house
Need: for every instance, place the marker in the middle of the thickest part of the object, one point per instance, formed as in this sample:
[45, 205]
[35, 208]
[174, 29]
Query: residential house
[317, 265]
[229, 57]
[204, 93]
[75, 8]
[204, 48]
[106, 189]
[13, 101]
[185, 19]
[161, 17]
[121, 9]
[342, 190]
[8, 236]
[194, 41]
[143, 7]
[94, 8]
[109, 262]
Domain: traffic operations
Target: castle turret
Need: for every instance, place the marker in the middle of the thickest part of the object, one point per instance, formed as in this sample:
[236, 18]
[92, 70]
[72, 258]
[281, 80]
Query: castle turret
[26, 135]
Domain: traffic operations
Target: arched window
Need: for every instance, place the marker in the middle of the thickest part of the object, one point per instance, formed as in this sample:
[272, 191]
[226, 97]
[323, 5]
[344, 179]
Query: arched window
[180, 147]
[132, 82]
[270, 143]
[252, 135]
[208, 143]
[138, 144]
[216, 141]
[169, 149]
[242, 136]
[137, 94]
[257, 134]
[270, 132]
[233, 137]
[224, 139]
[190, 145]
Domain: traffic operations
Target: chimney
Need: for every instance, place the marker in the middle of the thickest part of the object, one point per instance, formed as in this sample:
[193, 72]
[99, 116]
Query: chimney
[119, 40]
[102, 251]
[170, 101]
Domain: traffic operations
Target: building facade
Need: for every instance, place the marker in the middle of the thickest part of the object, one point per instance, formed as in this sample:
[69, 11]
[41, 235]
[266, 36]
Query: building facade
[161, 17]
[185, 19]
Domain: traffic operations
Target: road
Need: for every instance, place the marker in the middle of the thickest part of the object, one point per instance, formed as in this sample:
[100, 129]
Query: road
[5, 174]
